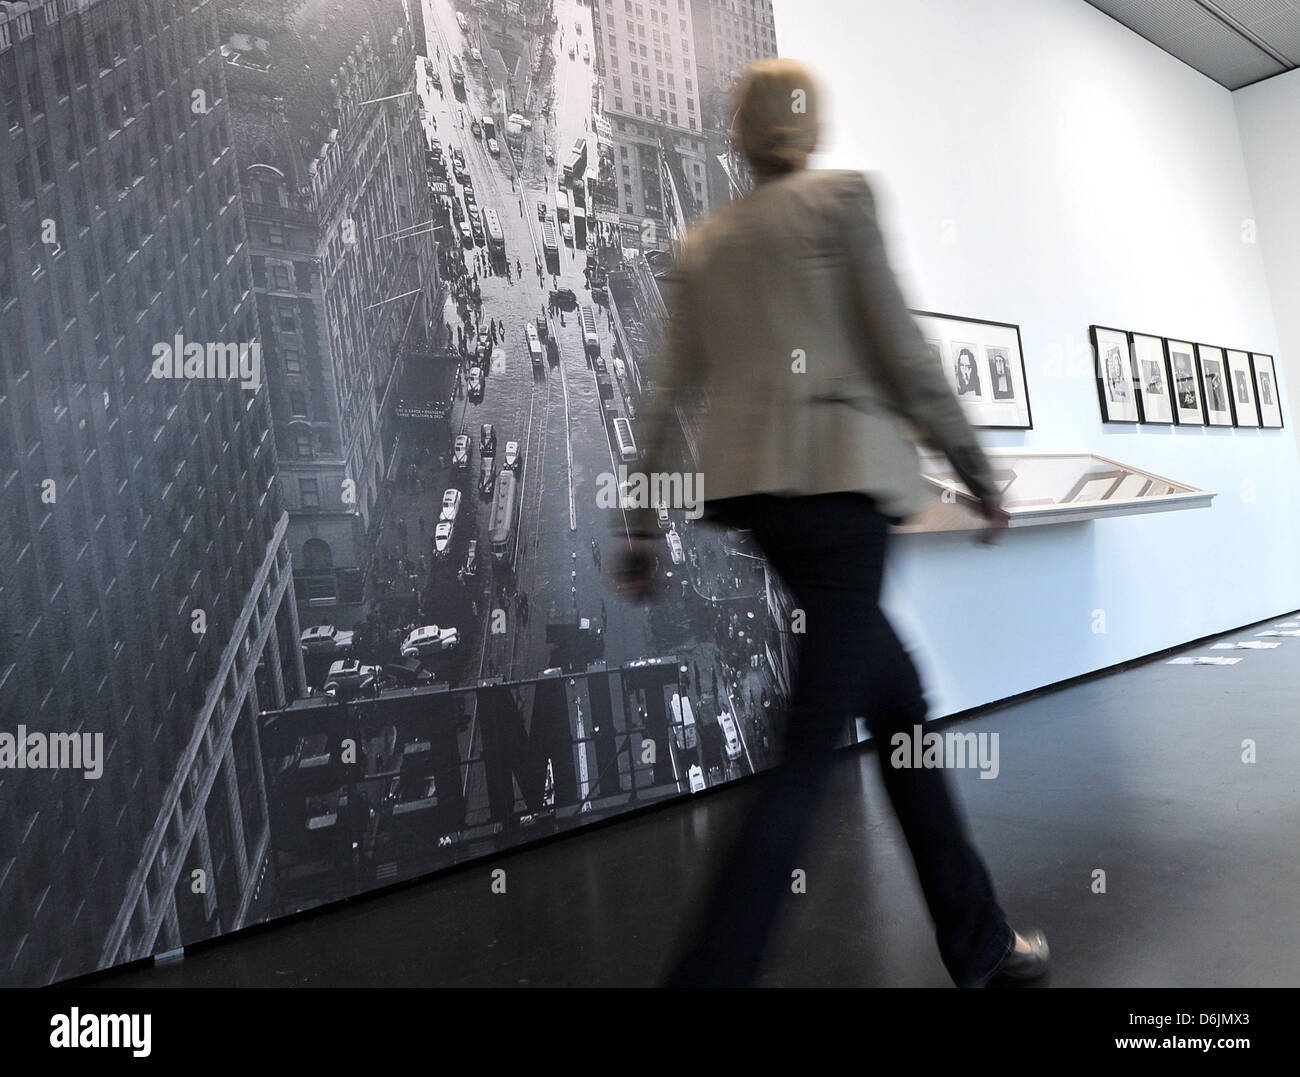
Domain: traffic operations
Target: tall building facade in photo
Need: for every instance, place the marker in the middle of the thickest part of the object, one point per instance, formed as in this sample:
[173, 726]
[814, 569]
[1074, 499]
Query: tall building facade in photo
[144, 568]
[731, 34]
[665, 69]
[325, 121]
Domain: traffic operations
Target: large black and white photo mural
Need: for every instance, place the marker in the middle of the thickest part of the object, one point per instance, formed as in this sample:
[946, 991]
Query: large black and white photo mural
[325, 331]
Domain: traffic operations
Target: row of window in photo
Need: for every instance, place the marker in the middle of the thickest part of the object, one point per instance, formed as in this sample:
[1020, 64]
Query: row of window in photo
[131, 228]
[103, 51]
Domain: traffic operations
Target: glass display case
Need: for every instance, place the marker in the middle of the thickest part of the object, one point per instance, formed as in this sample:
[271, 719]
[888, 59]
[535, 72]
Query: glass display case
[1052, 488]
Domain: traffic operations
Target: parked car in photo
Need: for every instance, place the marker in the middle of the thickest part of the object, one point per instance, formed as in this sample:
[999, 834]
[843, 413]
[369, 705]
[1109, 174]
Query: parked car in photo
[429, 639]
[435, 78]
[460, 451]
[511, 459]
[730, 739]
[571, 52]
[494, 147]
[471, 558]
[442, 538]
[661, 517]
[487, 440]
[471, 201]
[325, 639]
[348, 677]
[541, 210]
[475, 55]
[675, 547]
[407, 674]
[550, 154]
[475, 384]
[565, 298]
[466, 234]
[450, 505]
[566, 230]
[475, 128]
[486, 475]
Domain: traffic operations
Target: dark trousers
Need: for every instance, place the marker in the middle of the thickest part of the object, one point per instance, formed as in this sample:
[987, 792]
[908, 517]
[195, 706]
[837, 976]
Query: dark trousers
[830, 552]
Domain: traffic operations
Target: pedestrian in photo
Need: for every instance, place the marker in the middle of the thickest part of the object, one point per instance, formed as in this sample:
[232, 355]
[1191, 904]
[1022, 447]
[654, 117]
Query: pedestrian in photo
[740, 302]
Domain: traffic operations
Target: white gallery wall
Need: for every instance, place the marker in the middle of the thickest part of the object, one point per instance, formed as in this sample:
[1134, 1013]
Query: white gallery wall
[1039, 163]
[1268, 115]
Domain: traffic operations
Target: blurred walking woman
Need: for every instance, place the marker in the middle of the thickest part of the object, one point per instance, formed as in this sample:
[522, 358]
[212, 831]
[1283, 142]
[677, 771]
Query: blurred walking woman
[788, 321]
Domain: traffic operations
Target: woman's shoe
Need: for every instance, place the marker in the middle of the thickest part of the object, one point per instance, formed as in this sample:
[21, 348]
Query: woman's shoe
[1020, 967]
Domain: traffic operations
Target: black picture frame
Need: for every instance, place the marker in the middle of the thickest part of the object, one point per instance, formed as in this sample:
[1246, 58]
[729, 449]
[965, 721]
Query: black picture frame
[1020, 353]
[1277, 396]
[1140, 378]
[1206, 388]
[1250, 420]
[1180, 411]
[1107, 378]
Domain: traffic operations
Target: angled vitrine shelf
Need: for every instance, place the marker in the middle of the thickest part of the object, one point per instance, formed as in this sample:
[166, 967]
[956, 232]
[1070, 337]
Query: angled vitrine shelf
[1051, 488]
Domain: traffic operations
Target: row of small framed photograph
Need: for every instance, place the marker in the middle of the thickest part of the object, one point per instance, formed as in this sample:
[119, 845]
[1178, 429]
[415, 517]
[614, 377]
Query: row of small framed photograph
[1146, 379]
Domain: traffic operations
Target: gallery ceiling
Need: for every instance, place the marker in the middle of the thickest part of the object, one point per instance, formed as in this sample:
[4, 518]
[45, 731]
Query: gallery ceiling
[1234, 42]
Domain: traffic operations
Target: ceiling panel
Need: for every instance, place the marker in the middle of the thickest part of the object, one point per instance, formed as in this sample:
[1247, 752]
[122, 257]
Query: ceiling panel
[1234, 42]
[1251, 11]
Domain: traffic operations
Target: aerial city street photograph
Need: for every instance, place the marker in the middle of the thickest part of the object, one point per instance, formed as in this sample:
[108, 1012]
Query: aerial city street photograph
[326, 330]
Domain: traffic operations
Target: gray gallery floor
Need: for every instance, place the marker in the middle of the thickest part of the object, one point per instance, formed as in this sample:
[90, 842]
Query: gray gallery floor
[1136, 773]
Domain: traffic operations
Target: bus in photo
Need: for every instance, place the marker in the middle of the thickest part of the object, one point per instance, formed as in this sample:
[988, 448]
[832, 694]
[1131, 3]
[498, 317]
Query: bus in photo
[457, 75]
[492, 225]
[590, 341]
[502, 526]
[548, 238]
[576, 164]
[534, 344]
[683, 722]
[489, 127]
[623, 440]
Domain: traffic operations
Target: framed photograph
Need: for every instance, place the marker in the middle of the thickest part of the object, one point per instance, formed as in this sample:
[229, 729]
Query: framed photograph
[1116, 387]
[1213, 368]
[1266, 394]
[985, 365]
[965, 373]
[1241, 386]
[1188, 405]
[1154, 398]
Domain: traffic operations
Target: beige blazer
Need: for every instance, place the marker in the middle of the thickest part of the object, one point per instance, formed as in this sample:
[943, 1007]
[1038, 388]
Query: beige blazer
[789, 329]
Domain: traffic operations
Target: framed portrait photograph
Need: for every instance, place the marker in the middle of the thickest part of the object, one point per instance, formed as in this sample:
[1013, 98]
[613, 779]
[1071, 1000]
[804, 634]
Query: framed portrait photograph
[964, 371]
[1154, 398]
[1241, 388]
[985, 365]
[1213, 368]
[1184, 383]
[1266, 394]
[1116, 387]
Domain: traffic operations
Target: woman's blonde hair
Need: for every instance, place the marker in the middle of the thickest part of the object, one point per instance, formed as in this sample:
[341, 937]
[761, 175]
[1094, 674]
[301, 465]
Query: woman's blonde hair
[776, 123]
